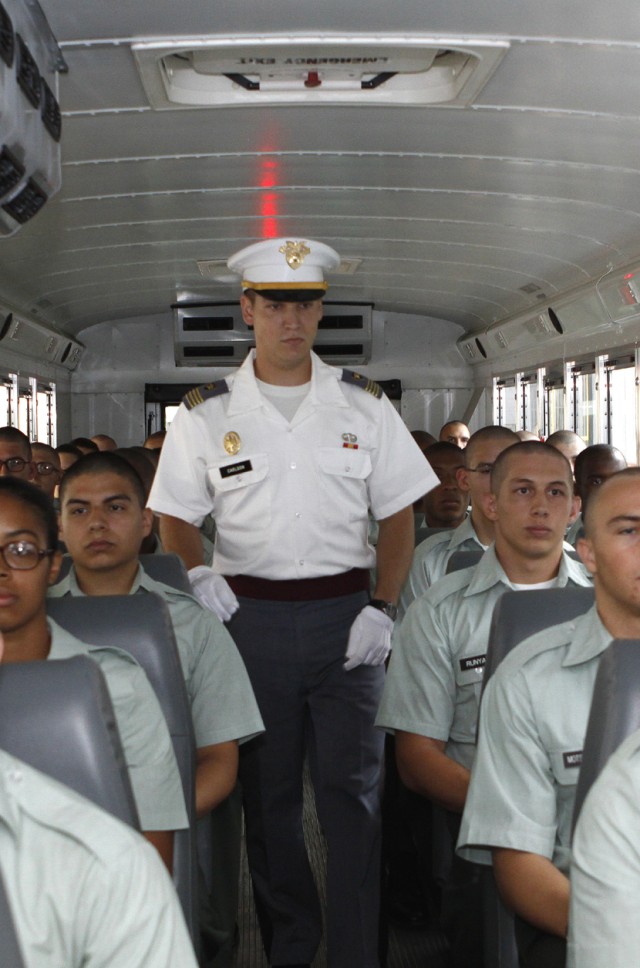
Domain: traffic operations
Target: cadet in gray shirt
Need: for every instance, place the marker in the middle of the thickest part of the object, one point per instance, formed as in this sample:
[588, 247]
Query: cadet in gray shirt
[604, 928]
[432, 691]
[103, 520]
[476, 532]
[534, 716]
[85, 890]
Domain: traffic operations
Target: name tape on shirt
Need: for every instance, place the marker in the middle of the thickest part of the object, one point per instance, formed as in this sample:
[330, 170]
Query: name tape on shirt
[473, 662]
[232, 469]
[572, 759]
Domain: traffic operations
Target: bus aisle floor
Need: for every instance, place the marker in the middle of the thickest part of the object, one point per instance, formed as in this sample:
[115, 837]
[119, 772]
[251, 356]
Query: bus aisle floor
[407, 948]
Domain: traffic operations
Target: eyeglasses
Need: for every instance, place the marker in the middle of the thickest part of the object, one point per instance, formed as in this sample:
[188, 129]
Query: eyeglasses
[14, 465]
[22, 555]
[45, 468]
[481, 469]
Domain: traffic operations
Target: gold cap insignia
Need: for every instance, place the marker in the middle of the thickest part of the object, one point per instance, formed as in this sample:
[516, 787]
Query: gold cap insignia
[295, 253]
[231, 442]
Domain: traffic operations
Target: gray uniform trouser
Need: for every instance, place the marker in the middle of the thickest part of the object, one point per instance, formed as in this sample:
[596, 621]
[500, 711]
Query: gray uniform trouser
[294, 653]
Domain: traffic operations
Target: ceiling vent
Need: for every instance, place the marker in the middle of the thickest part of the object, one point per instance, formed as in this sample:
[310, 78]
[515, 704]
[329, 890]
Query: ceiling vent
[356, 69]
[214, 334]
[28, 338]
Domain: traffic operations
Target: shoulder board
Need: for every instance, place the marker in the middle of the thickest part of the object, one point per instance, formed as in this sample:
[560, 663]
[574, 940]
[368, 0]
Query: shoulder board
[200, 394]
[358, 380]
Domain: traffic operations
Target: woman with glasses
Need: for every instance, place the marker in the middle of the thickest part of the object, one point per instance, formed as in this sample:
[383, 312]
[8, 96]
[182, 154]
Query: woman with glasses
[29, 563]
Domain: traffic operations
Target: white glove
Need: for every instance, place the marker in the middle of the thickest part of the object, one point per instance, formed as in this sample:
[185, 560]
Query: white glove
[213, 591]
[369, 638]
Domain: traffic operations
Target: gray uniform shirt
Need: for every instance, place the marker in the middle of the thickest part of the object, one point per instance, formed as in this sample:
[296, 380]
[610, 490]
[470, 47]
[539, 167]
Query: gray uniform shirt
[436, 671]
[146, 743]
[532, 728]
[431, 557]
[223, 706]
[604, 928]
[85, 890]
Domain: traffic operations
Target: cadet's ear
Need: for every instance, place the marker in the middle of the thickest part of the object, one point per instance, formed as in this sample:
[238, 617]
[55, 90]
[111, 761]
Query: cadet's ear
[489, 506]
[247, 310]
[462, 477]
[147, 521]
[584, 547]
[54, 569]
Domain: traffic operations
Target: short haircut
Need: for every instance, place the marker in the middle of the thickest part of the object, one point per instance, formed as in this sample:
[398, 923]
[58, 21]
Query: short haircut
[69, 449]
[51, 451]
[11, 435]
[526, 448]
[37, 501]
[85, 442]
[449, 423]
[493, 432]
[103, 462]
[600, 494]
[564, 437]
[597, 451]
[442, 448]
[104, 439]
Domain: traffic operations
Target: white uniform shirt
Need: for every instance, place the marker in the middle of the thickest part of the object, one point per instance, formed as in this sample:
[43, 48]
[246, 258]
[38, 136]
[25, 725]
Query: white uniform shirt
[292, 502]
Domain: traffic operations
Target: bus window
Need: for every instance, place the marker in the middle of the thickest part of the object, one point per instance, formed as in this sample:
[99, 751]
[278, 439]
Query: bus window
[621, 407]
[506, 403]
[584, 399]
[44, 416]
[556, 417]
[5, 403]
[530, 402]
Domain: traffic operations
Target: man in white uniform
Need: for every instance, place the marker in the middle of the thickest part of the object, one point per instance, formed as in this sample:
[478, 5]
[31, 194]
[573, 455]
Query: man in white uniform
[290, 455]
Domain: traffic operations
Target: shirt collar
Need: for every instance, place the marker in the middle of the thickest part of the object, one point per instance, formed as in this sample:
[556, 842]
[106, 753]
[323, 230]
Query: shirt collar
[325, 388]
[465, 532]
[69, 584]
[489, 572]
[589, 639]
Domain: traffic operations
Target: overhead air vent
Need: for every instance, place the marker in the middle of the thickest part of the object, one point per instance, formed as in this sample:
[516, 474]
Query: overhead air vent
[32, 339]
[214, 334]
[30, 117]
[328, 69]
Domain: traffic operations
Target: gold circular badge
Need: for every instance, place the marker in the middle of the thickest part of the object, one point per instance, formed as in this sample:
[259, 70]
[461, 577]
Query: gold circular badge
[232, 442]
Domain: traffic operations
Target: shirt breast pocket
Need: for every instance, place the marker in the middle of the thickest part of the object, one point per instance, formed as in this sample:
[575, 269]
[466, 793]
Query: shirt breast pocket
[343, 474]
[240, 487]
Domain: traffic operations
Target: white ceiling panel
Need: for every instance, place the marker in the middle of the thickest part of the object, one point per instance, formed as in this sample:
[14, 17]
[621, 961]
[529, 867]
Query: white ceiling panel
[469, 214]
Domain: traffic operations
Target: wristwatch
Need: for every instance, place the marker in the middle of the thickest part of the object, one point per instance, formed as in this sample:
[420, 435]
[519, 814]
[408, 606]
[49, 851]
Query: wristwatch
[387, 607]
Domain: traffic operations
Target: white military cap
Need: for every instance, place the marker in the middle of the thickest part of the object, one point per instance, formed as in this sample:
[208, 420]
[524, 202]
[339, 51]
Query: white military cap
[285, 266]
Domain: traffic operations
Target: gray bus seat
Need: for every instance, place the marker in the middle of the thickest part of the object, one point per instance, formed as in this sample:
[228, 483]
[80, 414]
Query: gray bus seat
[464, 559]
[421, 534]
[58, 718]
[141, 625]
[516, 616]
[614, 715]
[9, 945]
[169, 569]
